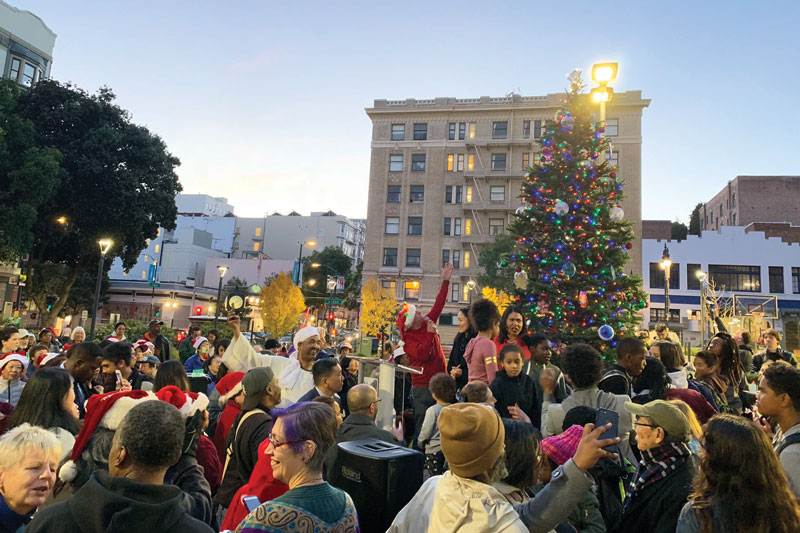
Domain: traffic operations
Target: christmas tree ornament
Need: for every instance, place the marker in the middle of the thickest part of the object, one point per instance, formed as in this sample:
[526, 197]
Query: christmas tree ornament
[583, 299]
[616, 213]
[605, 332]
[568, 270]
[561, 208]
[567, 122]
[521, 280]
[628, 245]
[613, 175]
[520, 210]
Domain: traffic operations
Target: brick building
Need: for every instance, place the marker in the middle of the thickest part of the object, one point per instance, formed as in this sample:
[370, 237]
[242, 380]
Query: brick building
[445, 179]
[748, 199]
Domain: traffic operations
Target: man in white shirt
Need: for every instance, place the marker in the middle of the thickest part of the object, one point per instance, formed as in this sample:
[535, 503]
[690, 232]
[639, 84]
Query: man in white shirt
[293, 372]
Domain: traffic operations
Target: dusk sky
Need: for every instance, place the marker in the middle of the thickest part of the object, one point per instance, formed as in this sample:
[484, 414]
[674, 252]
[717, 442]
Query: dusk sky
[263, 102]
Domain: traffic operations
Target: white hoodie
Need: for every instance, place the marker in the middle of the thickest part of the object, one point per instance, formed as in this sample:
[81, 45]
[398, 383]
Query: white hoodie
[679, 378]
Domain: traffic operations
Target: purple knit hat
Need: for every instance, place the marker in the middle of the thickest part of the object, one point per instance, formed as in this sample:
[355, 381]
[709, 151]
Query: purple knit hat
[561, 448]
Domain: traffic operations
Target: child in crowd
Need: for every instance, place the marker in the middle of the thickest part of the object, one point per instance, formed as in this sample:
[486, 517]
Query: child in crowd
[443, 390]
[706, 372]
[481, 352]
[513, 389]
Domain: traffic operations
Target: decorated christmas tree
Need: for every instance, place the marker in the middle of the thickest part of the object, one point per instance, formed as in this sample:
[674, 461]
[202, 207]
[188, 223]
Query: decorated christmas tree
[572, 239]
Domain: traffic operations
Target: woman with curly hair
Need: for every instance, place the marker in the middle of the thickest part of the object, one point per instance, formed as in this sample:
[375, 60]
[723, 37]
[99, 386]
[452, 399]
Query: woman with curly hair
[512, 328]
[730, 368]
[740, 486]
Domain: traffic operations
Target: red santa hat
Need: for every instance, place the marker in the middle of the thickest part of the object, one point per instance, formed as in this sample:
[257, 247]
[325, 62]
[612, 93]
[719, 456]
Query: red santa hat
[406, 316]
[144, 344]
[188, 403]
[45, 358]
[105, 411]
[229, 386]
[14, 356]
[198, 341]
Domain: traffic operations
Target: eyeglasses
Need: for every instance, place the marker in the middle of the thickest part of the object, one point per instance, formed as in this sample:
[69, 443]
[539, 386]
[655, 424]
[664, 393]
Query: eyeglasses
[276, 444]
[376, 401]
[646, 425]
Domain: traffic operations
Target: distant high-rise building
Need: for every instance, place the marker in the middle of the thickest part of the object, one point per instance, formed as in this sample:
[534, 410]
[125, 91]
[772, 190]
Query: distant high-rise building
[748, 199]
[445, 179]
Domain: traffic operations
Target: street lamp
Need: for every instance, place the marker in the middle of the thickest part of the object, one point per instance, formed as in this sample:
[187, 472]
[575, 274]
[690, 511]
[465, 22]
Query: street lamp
[104, 244]
[602, 73]
[222, 270]
[703, 277]
[666, 264]
[310, 244]
[471, 284]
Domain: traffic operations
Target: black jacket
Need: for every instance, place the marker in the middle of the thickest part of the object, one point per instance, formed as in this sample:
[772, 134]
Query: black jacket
[656, 508]
[118, 505]
[245, 442]
[760, 358]
[616, 380]
[355, 427]
[457, 358]
[517, 390]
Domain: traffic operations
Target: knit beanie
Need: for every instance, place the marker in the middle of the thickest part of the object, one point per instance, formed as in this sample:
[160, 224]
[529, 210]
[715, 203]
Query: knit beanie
[472, 437]
[106, 411]
[561, 448]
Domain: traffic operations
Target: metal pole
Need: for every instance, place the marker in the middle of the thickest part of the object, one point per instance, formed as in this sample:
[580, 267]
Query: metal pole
[602, 110]
[300, 267]
[96, 297]
[219, 296]
[666, 294]
[702, 316]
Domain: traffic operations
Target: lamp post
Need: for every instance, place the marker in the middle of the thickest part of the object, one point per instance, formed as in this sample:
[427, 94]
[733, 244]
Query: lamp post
[104, 244]
[310, 244]
[602, 73]
[222, 270]
[703, 277]
[471, 284]
[666, 264]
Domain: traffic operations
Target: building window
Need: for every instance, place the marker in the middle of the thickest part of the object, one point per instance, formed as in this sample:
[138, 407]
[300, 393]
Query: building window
[448, 194]
[15, 67]
[417, 162]
[733, 200]
[396, 163]
[720, 210]
[526, 160]
[499, 130]
[469, 195]
[496, 226]
[450, 162]
[537, 129]
[498, 161]
[465, 290]
[445, 257]
[256, 246]
[411, 291]
[796, 280]
[462, 130]
[258, 231]
[392, 225]
[468, 226]
[457, 227]
[390, 257]
[612, 127]
[466, 259]
[157, 248]
[497, 194]
[144, 274]
[742, 278]
[658, 315]
[398, 132]
[415, 225]
[456, 258]
[526, 129]
[459, 191]
[421, 132]
[471, 130]
[776, 280]
[657, 279]
[393, 194]
[733, 219]
[417, 195]
[455, 292]
[28, 74]
[453, 193]
[447, 224]
[470, 162]
[412, 257]
[390, 287]
[460, 163]
[451, 132]
[692, 281]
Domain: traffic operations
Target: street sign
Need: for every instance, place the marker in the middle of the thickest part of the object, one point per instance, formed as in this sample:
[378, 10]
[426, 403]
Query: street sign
[333, 302]
[155, 284]
[151, 273]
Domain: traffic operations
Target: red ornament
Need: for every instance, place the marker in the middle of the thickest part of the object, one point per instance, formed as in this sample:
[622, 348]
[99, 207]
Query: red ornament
[628, 246]
[613, 175]
[518, 269]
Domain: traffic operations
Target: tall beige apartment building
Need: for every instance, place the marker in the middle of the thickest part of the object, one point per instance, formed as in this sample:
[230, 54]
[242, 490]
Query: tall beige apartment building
[445, 179]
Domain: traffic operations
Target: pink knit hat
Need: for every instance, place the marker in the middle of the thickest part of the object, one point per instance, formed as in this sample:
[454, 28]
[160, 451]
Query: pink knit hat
[561, 448]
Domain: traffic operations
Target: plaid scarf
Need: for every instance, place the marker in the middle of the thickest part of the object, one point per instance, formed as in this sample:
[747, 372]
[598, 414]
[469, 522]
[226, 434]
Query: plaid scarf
[657, 463]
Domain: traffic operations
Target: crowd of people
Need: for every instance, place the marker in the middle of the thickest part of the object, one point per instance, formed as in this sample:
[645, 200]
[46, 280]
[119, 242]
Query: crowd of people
[516, 431]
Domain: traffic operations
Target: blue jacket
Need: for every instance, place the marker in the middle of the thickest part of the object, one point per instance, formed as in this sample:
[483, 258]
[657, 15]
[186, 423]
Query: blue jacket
[193, 363]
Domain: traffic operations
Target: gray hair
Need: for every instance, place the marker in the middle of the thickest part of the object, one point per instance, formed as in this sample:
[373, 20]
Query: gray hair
[152, 434]
[24, 439]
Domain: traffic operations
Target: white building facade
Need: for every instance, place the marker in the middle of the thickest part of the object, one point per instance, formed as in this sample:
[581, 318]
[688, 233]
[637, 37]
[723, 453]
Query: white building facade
[203, 205]
[747, 268]
[26, 46]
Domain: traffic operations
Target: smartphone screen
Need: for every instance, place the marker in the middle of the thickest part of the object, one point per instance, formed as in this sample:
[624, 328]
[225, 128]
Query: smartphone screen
[604, 416]
[251, 502]
[119, 376]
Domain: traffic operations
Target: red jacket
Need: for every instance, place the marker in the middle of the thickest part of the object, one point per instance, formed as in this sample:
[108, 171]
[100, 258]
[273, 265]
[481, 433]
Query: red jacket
[224, 424]
[423, 347]
[702, 409]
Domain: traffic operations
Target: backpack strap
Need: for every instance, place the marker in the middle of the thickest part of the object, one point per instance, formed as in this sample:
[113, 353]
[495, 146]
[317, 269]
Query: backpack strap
[794, 438]
[229, 450]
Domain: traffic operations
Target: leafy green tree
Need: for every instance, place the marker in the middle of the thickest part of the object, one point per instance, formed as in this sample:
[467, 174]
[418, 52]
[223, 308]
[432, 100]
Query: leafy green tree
[81, 296]
[29, 176]
[679, 231]
[352, 289]
[117, 181]
[694, 220]
[572, 239]
[332, 261]
[489, 258]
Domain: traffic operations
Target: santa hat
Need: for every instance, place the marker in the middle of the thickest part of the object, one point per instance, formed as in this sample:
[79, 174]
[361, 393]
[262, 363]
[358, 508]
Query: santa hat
[105, 411]
[398, 351]
[144, 344]
[50, 330]
[14, 356]
[45, 358]
[229, 386]
[188, 403]
[406, 316]
[198, 341]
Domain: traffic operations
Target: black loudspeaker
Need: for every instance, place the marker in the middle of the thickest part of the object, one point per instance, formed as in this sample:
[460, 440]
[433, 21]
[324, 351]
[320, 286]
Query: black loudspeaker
[380, 477]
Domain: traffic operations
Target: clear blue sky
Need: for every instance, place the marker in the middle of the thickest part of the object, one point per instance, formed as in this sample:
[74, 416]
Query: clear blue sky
[263, 102]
